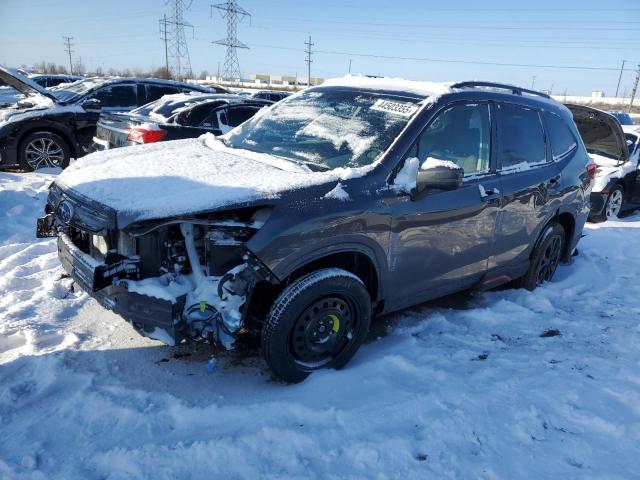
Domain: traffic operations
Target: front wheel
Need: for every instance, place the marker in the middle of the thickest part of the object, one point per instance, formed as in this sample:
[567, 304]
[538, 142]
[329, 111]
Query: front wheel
[546, 258]
[318, 321]
[43, 150]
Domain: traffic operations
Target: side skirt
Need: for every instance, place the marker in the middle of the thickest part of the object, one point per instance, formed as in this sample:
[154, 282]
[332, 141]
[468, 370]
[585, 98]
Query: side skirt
[500, 276]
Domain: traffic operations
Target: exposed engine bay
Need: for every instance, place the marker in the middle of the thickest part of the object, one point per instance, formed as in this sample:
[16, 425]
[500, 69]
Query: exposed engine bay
[199, 266]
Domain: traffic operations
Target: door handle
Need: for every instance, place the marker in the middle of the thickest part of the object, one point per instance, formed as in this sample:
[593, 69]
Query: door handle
[488, 194]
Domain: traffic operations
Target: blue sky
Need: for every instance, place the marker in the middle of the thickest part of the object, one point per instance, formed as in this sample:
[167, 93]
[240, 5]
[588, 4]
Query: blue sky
[582, 33]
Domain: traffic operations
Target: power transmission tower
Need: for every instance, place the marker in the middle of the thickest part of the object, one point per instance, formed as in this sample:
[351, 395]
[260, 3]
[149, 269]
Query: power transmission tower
[620, 77]
[308, 51]
[635, 88]
[67, 41]
[165, 38]
[233, 13]
[176, 49]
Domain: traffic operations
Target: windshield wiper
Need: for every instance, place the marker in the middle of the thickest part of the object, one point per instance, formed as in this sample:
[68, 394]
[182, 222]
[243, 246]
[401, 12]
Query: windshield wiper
[316, 167]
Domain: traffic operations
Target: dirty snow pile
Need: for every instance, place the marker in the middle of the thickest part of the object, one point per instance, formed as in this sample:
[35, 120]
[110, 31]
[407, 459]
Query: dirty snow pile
[508, 384]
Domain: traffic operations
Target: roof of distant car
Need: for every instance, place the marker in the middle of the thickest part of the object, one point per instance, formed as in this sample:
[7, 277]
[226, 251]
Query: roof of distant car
[283, 92]
[169, 105]
[54, 75]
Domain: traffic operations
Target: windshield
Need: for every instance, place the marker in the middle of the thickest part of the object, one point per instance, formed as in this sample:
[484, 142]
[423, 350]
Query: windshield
[327, 128]
[70, 91]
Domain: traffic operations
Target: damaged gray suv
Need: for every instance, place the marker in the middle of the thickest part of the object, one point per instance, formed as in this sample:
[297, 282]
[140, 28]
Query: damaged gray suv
[345, 201]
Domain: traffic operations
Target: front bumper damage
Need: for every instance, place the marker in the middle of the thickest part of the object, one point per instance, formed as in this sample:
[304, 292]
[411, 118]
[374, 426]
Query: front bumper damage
[150, 316]
[171, 307]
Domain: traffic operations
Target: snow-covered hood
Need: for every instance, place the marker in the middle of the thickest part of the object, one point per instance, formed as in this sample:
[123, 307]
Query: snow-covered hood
[23, 84]
[37, 97]
[184, 177]
[601, 133]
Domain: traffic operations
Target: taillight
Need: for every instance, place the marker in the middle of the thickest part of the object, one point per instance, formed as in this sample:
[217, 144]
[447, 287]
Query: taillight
[143, 135]
[591, 170]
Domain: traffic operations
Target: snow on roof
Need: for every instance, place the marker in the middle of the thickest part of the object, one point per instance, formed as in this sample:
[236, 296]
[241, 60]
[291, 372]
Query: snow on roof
[400, 85]
[168, 106]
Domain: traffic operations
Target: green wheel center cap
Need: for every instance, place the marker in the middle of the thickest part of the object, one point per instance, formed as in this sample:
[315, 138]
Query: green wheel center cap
[335, 322]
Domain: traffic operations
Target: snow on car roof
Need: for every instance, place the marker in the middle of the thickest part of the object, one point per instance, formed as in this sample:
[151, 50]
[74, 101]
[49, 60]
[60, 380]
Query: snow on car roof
[169, 105]
[400, 85]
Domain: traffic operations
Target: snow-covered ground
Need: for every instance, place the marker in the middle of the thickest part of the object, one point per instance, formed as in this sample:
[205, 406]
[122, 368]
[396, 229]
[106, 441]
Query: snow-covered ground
[460, 388]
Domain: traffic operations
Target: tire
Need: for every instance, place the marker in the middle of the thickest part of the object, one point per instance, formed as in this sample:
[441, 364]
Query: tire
[545, 259]
[612, 205]
[43, 150]
[318, 321]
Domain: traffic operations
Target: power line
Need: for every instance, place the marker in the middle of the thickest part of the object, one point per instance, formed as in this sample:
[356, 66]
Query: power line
[438, 60]
[468, 62]
[233, 13]
[404, 34]
[308, 60]
[441, 26]
[69, 52]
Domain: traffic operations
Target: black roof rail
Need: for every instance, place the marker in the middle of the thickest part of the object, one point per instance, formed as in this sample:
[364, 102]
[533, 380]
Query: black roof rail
[515, 90]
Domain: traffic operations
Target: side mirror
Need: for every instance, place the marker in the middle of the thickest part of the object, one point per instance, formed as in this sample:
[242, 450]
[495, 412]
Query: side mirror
[439, 177]
[91, 104]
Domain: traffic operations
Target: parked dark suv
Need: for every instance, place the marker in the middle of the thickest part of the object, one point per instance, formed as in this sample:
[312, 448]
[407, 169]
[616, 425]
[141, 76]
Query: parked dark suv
[51, 126]
[345, 201]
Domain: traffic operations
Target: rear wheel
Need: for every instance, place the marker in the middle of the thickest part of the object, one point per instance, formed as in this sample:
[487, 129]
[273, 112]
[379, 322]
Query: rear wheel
[43, 150]
[546, 258]
[318, 321]
[613, 206]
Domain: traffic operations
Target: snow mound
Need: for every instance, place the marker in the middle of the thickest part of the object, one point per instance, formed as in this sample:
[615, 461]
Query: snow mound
[338, 193]
[431, 162]
[405, 180]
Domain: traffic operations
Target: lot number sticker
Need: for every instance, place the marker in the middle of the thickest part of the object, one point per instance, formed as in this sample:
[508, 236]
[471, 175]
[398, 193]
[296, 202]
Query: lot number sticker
[396, 108]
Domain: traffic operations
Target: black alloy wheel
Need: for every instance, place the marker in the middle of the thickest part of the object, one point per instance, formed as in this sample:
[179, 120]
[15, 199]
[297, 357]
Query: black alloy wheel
[545, 258]
[43, 150]
[549, 260]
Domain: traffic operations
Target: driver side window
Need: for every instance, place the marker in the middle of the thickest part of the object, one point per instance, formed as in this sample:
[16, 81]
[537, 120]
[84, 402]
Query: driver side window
[460, 134]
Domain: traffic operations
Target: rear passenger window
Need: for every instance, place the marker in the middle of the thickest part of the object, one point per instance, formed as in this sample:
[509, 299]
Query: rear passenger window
[460, 134]
[154, 92]
[522, 138]
[560, 136]
[200, 116]
[117, 96]
[238, 115]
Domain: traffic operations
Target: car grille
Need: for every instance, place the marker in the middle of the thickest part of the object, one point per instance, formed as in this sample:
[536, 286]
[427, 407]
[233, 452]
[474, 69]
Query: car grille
[88, 218]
